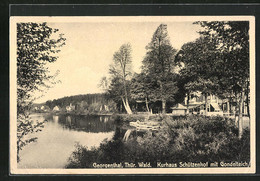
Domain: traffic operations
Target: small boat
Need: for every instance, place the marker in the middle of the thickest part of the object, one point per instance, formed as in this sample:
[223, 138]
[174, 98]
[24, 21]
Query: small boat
[147, 125]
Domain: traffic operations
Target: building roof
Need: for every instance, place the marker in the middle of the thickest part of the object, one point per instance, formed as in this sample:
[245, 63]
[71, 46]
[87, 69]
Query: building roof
[215, 106]
[179, 107]
[195, 105]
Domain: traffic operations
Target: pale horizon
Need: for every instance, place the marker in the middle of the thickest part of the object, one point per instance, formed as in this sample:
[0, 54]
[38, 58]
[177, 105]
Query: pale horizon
[90, 46]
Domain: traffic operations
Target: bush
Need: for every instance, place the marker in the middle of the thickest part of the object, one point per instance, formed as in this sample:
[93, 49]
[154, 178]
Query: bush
[200, 138]
[191, 138]
[132, 117]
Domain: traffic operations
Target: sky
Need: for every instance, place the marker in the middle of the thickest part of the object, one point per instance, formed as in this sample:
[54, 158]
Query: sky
[90, 46]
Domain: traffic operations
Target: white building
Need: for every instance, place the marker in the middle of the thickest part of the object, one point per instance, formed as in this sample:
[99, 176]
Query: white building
[56, 108]
[179, 109]
[196, 104]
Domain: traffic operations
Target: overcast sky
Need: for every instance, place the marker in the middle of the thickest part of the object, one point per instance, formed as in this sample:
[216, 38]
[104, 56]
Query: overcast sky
[90, 47]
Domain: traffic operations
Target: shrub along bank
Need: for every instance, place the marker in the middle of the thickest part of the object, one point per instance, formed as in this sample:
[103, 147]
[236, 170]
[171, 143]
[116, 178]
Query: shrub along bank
[183, 139]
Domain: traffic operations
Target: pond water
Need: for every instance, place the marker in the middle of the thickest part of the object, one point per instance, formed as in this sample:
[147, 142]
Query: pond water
[59, 136]
[61, 133]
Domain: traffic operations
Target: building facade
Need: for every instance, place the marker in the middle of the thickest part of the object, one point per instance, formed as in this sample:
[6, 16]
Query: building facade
[197, 104]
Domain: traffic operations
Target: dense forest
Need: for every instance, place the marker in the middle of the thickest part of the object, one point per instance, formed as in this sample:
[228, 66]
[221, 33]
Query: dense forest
[86, 103]
[97, 103]
[87, 98]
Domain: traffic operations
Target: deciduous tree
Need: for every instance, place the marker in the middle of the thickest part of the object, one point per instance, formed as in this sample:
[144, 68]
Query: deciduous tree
[37, 46]
[232, 38]
[120, 72]
[141, 89]
[158, 64]
[199, 61]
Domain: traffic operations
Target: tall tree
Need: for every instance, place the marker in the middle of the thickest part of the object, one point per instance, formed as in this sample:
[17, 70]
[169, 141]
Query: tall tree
[36, 47]
[159, 65]
[121, 70]
[232, 38]
[199, 61]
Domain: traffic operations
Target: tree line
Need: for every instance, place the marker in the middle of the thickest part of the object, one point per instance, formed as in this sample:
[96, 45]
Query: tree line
[77, 99]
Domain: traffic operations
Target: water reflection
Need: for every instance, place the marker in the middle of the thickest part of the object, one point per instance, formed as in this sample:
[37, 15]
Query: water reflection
[57, 139]
[55, 119]
[94, 124]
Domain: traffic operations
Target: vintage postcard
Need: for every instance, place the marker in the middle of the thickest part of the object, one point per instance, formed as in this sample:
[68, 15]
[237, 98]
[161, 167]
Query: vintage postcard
[132, 95]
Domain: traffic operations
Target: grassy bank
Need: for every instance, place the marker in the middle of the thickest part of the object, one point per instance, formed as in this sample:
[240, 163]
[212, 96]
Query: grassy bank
[182, 139]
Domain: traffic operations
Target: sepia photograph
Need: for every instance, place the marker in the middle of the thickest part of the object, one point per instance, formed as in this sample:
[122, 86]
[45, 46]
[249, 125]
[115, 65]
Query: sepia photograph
[132, 95]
